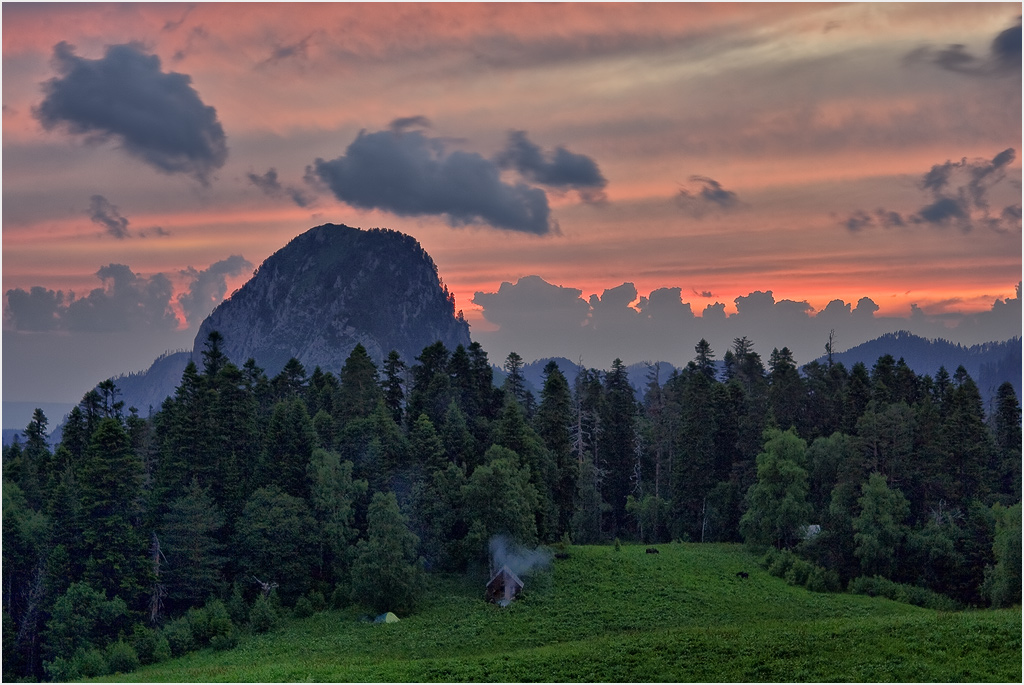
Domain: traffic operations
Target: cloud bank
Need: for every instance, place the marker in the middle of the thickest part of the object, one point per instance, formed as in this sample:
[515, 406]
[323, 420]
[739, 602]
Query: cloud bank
[538, 319]
[126, 301]
[155, 116]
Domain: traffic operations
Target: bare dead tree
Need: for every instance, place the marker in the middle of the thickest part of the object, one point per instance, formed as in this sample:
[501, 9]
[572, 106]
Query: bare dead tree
[156, 598]
[265, 588]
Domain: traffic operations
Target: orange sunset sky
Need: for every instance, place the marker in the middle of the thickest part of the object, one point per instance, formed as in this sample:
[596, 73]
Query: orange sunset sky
[821, 152]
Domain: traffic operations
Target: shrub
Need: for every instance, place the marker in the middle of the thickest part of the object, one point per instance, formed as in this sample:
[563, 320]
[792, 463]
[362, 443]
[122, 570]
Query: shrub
[316, 599]
[121, 657]
[236, 605]
[224, 642]
[341, 597]
[90, 662]
[876, 586]
[798, 572]
[144, 641]
[822, 580]
[199, 623]
[263, 615]
[218, 619]
[179, 636]
[781, 564]
[62, 670]
[163, 649]
[303, 608]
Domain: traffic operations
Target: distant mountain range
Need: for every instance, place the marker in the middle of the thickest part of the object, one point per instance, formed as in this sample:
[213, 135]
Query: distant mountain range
[989, 364]
[334, 286]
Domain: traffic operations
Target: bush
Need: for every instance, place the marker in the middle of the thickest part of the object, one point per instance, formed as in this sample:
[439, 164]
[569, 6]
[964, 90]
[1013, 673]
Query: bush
[317, 600]
[224, 642]
[263, 615]
[121, 657]
[163, 649]
[144, 641]
[90, 663]
[62, 670]
[303, 608]
[218, 619]
[781, 564]
[822, 580]
[876, 586]
[236, 605]
[341, 597]
[199, 623]
[798, 572]
[179, 636]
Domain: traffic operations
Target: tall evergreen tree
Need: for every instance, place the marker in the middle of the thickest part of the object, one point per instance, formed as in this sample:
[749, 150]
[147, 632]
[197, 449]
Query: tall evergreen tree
[360, 386]
[554, 424]
[188, 541]
[393, 385]
[110, 482]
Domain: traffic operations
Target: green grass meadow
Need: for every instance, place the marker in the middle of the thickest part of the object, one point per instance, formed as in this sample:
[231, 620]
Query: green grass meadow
[623, 615]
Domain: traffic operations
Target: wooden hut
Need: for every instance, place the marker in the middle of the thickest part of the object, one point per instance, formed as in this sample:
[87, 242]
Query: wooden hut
[503, 587]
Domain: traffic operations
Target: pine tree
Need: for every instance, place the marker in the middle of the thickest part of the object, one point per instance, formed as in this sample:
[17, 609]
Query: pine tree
[1007, 429]
[619, 421]
[189, 542]
[359, 387]
[554, 424]
[110, 482]
[288, 446]
[393, 383]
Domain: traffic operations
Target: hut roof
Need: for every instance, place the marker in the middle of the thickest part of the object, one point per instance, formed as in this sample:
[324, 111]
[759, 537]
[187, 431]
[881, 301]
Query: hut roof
[506, 572]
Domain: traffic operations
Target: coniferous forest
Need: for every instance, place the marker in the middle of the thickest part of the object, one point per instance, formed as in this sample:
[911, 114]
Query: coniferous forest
[137, 539]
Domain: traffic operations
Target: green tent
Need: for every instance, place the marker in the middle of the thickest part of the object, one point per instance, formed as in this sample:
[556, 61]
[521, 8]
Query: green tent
[386, 618]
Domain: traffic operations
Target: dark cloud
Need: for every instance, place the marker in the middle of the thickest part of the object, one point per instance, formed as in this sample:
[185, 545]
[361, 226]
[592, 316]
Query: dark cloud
[103, 213]
[208, 287]
[156, 116]
[270, 185]
[1003, 57]
[401, 124]
[287, 51]
[126, 301]
[559, 169]
[410, 174]
[959, 197]
[708, 198]
[175, 25]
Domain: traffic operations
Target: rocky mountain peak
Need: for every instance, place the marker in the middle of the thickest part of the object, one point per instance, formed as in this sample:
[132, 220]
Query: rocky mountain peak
[333, 287]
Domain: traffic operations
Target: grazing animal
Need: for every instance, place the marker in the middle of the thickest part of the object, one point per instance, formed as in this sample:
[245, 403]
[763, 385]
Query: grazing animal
[561, 555]
[653, 550]
[742, 574]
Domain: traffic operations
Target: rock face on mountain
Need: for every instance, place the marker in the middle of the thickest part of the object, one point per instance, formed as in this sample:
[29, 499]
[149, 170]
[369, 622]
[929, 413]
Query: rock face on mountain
[331, 288]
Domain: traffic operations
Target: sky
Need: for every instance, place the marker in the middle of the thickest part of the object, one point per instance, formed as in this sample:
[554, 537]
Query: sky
[592, 180]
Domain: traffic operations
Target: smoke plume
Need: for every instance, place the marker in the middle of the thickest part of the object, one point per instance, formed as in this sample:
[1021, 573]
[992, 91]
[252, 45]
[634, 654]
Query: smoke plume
[519, 560]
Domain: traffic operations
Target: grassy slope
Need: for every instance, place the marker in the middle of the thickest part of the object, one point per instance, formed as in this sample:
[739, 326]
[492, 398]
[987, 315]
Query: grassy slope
[603, 615]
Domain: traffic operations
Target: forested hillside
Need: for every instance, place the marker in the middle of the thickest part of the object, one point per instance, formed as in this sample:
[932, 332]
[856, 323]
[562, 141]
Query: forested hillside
[137, 539]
